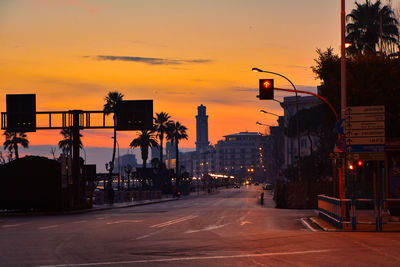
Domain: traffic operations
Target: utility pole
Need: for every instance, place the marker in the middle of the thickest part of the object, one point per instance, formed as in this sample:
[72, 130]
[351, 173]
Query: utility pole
[342, 170]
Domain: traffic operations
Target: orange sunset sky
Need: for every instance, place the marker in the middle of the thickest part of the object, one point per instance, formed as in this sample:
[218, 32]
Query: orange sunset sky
[180, 53]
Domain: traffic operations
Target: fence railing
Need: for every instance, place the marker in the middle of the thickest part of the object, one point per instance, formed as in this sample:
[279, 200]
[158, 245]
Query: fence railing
[360, 212]
[335, 211]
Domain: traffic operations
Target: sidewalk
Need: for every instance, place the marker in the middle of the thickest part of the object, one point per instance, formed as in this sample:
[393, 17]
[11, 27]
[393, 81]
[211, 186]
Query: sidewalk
[388, 226]
[93, 209]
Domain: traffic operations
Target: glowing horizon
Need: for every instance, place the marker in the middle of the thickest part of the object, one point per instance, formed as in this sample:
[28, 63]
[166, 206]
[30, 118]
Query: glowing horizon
[180, 54]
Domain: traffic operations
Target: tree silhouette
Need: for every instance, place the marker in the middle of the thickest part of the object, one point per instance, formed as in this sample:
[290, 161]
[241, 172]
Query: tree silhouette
[372, 26]
[176, 132]
[13, 139]
[112, 99]
[66, 143]
[145, 140]
[161, 123]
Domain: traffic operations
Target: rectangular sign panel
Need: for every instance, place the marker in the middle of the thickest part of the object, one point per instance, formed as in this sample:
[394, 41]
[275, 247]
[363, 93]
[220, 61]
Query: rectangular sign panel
[365, 109]
[369, 156]
[365, 125]
[21, 112]
[365, 148]
[364, 140]
[365, 117]
[134, 115]
[365, 133]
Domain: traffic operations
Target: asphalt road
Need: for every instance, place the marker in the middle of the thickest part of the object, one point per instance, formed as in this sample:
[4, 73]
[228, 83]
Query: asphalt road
[229, 228]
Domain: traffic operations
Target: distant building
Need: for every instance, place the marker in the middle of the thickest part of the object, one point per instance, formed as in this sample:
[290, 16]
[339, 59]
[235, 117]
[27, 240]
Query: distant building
[241, 155]
[170, 156]
[290, 143]
[202, 142]
[155, 152]
[123, 161]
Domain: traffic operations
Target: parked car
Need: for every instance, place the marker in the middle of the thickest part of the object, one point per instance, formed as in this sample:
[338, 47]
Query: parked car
[236, 186]
[268, 187]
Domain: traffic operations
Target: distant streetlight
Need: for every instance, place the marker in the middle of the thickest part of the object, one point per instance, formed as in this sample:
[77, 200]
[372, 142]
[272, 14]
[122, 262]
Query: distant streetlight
[259, 123]
[297, 112]
[263, 111]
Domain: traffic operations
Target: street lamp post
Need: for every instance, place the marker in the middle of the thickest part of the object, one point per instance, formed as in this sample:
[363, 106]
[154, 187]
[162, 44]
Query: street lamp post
[297, 113]
[342, 170]
[263, 111]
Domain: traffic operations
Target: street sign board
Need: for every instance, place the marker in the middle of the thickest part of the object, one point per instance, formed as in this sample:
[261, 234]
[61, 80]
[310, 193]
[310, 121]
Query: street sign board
[368, 156]
[365, 148]
[21, 112]
[365, 133]
[365, 140]
[134, 115]
[365, 109]
[365, 117]
[365, 125]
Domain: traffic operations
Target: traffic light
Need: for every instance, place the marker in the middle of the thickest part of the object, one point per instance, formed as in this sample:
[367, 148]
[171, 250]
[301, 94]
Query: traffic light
[360, 163]
[266, 88]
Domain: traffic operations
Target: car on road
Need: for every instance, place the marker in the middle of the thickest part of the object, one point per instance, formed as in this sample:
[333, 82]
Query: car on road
[236, 186]
[268, 187]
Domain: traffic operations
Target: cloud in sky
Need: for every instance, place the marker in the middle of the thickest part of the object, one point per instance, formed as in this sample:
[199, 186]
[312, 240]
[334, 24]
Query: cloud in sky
[151, 60]
[65, 3]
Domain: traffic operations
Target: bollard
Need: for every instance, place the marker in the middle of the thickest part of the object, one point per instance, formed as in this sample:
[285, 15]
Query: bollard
[262, 198]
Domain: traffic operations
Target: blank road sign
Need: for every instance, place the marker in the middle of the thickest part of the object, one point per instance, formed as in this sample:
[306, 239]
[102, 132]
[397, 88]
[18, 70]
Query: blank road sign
[134, 115]
[21, 112]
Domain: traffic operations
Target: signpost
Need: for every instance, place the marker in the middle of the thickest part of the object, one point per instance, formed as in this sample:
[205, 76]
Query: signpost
[365, 127]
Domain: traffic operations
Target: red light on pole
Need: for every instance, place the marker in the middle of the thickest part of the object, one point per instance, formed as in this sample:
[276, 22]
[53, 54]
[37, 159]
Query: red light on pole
[266, 88]
[359, 163]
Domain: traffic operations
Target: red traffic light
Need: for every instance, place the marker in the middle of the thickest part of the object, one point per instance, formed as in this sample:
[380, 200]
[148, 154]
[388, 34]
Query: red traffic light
[360, 163]
[266, 88]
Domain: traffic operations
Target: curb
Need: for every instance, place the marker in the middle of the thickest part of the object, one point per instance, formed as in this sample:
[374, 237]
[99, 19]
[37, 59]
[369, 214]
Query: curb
[321, 226]
[84, 210]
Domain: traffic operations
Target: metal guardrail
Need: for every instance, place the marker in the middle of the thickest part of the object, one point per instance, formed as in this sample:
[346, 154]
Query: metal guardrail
[384, 206]
[334, 210]
[376, 213]
[346, 211]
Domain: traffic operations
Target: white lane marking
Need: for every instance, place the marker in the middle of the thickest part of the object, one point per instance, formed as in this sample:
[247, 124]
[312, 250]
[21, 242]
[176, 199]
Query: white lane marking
[174, 221]
[82, 221]
[306, 224]
[13, 225]
[208, 228]
[151, 234]
[125, 221]
[244, 222]
[194, 258]
[48, 227]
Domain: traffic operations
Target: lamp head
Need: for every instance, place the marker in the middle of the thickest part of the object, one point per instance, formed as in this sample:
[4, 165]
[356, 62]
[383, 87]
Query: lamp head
[256, 70]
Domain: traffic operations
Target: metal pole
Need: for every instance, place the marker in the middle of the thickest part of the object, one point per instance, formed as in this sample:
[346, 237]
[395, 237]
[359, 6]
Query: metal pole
[297, 120]
[75, 158]
[342, 170]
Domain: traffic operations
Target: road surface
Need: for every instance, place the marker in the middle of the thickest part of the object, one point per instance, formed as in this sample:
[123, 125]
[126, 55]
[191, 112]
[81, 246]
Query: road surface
[229, 228]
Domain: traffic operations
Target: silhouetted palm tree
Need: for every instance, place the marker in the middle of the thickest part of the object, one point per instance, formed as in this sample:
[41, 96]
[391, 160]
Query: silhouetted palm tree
[66, 144]
[112, 99]
[161, 123]
[145, 140]
[372, 26]
[176, 132]
[13, 139]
